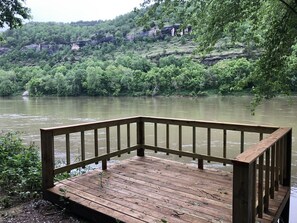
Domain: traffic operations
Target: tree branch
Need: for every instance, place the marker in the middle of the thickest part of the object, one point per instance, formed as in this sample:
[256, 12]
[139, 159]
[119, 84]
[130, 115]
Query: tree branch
[289, 6]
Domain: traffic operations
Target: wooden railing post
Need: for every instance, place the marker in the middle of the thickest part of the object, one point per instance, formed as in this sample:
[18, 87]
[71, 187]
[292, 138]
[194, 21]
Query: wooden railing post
[244, 192]
[287, 160]
[140, 137]
[48, 159]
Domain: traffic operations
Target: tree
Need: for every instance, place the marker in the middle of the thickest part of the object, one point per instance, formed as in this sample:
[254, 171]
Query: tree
[7, 83]
[270, 25]
[60, 83]
[6, 88]
[232, 75]
[12, 13]
[96, 82]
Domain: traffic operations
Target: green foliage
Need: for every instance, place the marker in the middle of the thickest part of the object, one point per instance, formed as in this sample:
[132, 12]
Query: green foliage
[95, 83]
[291, 71]
[7, 83]
[232, 75]
[20, 176]
[135, 62]
[12, 13]
[149, 65]
[269, 26]
[42, 85]
[193, 79]
[74, 82]
[60, 84]
[170, 60]
[134, 75]
[6, 88]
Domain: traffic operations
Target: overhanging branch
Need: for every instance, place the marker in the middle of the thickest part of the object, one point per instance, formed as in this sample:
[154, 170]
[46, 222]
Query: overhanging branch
[289, 6]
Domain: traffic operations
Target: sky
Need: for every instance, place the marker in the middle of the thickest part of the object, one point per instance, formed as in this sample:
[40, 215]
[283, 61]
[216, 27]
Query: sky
[77, 10]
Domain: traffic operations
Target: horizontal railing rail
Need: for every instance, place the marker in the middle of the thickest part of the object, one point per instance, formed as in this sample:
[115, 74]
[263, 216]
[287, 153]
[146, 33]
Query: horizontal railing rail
[258, 168]
[94, 160]
[213, 125]
[90, 126]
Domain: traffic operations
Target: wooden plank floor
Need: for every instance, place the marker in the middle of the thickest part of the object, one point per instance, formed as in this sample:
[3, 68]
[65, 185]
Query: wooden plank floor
[149, 189]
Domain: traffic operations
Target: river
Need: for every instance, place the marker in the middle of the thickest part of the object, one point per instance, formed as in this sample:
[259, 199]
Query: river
[28, 115]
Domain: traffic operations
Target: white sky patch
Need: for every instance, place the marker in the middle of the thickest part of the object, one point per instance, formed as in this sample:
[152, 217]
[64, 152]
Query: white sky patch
[79, 10]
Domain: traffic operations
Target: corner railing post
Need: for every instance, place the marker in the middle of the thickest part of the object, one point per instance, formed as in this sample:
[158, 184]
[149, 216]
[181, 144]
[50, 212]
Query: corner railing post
[287, 160]
[140, 137]
[47, 156]
[244, 192]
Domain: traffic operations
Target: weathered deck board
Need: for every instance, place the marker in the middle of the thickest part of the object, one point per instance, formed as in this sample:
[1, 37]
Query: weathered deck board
[147, 189]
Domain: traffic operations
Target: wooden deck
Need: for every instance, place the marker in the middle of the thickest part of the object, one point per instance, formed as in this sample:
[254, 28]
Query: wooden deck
[149, 189]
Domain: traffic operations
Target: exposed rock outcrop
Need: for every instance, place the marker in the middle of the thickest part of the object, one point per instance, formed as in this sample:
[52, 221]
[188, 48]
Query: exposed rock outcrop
[26, 94]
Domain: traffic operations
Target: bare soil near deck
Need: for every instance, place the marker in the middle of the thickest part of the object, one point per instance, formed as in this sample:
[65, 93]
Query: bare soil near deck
[36, 211]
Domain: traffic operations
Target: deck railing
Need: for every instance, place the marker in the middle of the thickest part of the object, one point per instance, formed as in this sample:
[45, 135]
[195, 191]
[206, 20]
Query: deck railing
[257, 171]
[47, 146]
[257, 174]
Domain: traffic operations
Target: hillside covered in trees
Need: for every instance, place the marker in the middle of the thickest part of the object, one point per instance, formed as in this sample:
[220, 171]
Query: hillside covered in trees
[120, 57]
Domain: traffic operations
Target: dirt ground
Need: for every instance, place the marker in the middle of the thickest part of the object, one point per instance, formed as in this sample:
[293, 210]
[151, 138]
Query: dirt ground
[36, 211]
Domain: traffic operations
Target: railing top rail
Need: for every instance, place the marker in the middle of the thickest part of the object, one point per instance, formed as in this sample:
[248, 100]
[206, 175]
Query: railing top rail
[186, 122]
[212, 124]
[251, 154]
[60, 130]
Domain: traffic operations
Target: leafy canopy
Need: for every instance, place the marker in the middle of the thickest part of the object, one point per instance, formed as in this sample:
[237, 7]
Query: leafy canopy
[12, 13]
[270, 26]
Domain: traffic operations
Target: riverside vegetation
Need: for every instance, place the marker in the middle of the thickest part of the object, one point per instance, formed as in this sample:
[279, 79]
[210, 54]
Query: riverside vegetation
[20, 185]
[20, 175]
[117, 57]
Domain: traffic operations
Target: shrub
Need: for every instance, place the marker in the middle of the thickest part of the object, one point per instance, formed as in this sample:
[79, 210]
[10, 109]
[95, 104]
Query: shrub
[20, 165]
[6, 88]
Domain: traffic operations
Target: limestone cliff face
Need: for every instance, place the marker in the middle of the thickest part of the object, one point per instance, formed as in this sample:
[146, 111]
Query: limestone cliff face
[3, 50]
[100, 38]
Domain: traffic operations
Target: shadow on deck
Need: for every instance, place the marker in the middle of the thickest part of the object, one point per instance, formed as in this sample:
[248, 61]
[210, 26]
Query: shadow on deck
[149, 189]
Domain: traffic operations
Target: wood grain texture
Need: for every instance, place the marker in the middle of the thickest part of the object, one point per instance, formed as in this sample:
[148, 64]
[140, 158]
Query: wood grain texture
[150, 189]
